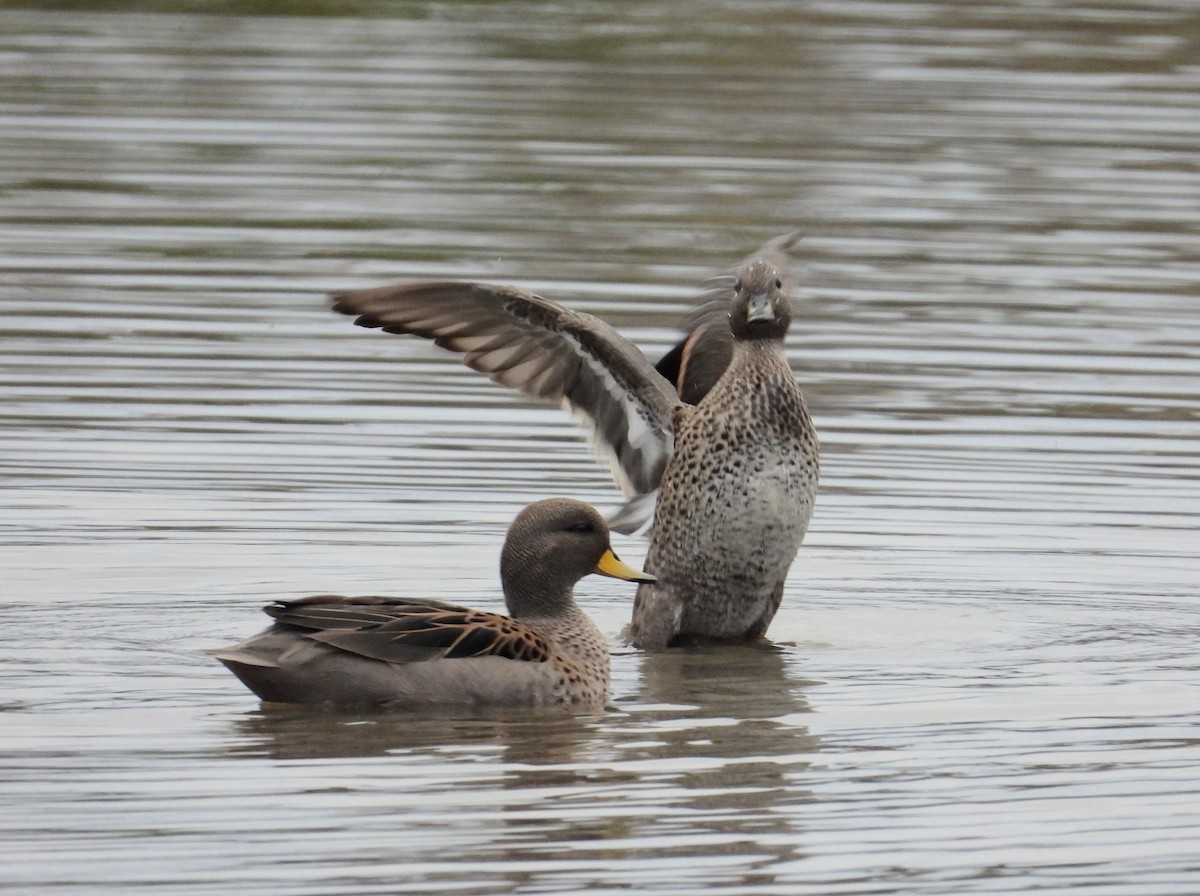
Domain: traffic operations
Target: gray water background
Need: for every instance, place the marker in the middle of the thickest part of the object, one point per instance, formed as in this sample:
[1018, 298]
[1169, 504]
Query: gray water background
[987, 673]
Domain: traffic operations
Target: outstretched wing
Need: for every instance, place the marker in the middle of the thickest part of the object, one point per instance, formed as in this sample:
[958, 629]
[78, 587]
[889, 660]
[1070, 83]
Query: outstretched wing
[699, 359]
[547, 351]
[397, 630]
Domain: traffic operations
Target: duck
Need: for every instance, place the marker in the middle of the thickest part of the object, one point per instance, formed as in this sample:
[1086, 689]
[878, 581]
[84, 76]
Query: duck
[716, 438]
[696, 362]
[418, 653]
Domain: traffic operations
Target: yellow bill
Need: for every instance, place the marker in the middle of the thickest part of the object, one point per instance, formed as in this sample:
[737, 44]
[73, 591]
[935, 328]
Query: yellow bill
[611, 565]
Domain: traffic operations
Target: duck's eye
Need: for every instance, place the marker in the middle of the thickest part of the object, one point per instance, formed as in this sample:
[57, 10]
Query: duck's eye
[581, 527]
[737, 287]
[778, 283]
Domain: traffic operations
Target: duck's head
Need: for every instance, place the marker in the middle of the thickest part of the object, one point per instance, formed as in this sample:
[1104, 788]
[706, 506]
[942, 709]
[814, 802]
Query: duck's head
[551, 545]
[760, 309]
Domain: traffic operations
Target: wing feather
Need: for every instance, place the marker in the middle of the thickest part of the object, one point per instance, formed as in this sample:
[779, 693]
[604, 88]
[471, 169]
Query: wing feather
[529, 343]
[399, 630]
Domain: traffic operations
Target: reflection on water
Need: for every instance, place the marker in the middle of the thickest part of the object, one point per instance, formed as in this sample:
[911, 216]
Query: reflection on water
[702, 753]
[716, 729]
[984, 671]
[737, 696]
[284, 732]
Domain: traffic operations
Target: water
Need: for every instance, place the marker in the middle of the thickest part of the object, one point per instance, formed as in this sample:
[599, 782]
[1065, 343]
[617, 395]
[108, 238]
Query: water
[986, 671]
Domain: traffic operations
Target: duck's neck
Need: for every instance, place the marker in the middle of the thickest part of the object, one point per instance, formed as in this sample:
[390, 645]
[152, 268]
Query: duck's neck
[529, 595]
[762, 355]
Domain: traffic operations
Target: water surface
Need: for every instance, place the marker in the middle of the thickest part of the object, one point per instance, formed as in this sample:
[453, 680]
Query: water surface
[985, 673]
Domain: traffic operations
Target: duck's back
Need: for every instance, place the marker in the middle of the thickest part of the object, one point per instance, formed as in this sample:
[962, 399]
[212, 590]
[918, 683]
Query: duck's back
[569, 664]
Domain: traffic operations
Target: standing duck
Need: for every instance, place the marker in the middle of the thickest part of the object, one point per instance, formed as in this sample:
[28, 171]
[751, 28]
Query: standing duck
[735, 475]
[409, 653]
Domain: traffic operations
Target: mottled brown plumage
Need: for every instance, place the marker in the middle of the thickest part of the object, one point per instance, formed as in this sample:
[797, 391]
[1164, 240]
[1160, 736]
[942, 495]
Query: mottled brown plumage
[409, 653]
[738, 472]
[737, 495]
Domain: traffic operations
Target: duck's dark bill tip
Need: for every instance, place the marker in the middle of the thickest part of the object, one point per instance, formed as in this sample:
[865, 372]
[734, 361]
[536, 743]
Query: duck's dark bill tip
[610, 565]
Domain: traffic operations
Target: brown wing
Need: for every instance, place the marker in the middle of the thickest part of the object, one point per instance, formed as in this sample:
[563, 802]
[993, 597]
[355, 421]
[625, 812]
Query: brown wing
[696, 363]
[397, 630]
[547, 351]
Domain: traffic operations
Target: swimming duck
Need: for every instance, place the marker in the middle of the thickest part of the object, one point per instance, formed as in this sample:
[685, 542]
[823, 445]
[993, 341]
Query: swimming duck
[411, 653]
[735, 475]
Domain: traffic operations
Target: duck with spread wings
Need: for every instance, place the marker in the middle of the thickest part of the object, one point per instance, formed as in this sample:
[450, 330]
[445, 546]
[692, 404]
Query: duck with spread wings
[718, 437]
